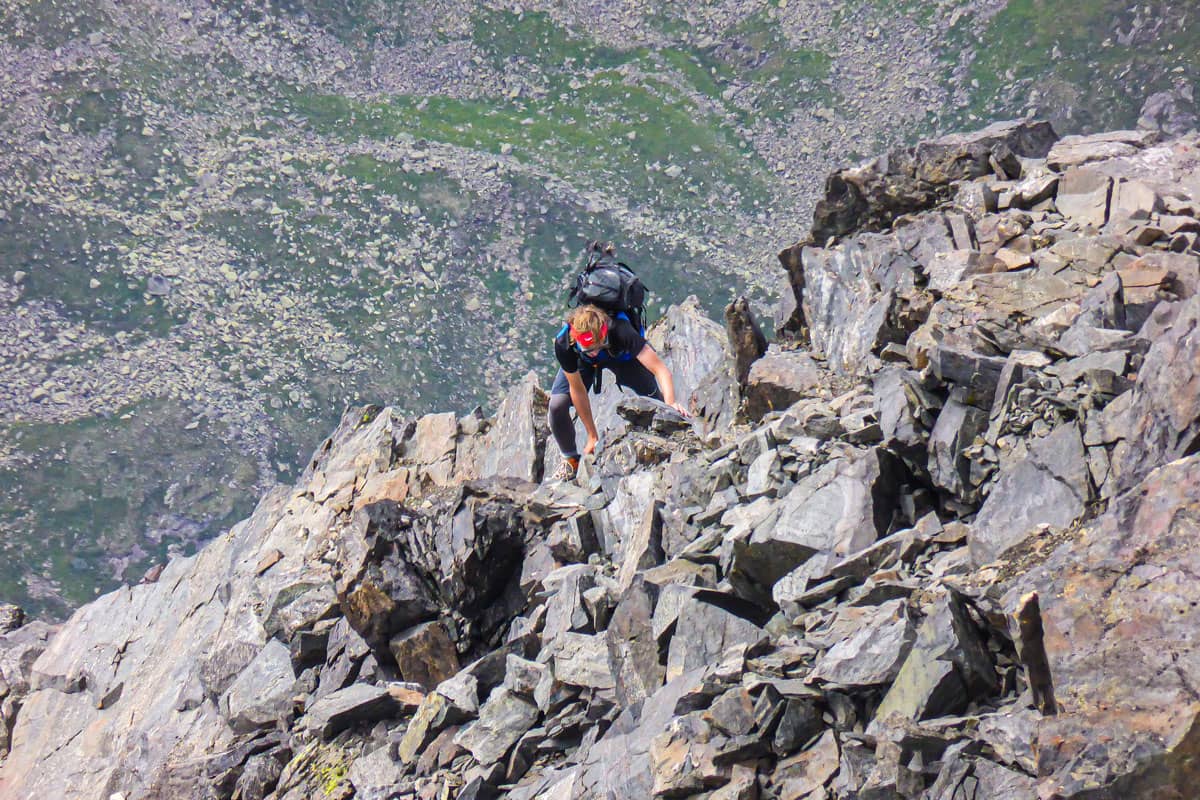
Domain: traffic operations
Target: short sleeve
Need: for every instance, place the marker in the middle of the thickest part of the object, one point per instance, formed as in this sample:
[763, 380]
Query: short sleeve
[568, 359]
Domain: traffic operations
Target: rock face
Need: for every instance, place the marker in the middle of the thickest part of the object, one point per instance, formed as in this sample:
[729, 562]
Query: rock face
[990, 397]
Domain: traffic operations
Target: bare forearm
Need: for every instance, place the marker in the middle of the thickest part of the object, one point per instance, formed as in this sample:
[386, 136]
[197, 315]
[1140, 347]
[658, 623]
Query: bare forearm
[583, 407]
[666, 385]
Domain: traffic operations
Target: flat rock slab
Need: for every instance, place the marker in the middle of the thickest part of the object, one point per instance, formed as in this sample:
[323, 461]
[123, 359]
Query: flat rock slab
[839, 509]
[1051, 486]
[873, 654]
[849, 293]
[344, 708]
[503, 719]
[261, 694]
[515, 445]
[582, 660]
[703, 632]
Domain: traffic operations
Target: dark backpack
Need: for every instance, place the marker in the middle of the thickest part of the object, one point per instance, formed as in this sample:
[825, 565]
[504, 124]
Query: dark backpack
[611, 285]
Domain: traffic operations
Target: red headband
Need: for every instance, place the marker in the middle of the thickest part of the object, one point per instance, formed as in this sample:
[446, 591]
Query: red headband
[588, 340]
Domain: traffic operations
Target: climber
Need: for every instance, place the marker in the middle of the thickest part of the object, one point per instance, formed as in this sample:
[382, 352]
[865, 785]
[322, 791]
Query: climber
[592, 341]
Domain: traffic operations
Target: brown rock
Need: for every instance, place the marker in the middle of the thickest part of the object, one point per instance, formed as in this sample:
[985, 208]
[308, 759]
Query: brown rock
[424, 654]
[746, 339]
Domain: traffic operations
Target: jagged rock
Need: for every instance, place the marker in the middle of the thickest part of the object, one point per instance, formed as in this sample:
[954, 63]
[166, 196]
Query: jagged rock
[852, 297]
[346, 707]
[649, 414]
[523, 677]
[515, 445]
[633, 651]
[582, 660]
[682, 758]
[703, 631]
[260, 775]
[398, 568]
[1012, 734]
[806, 774]
[633, 495]
[841, 508]
[1051, 486]
[906, 411]
[643, 549]
[1161, 421]
[1083, 196]
[375, 775]
[779, 379]
[1132, 201]
[873, 654]
[977, 778]
[976, 374]
[692, 345]
[433, 446]
[618, 766]
[573, 540]
[715, 400]
[1172, 112]
[435, 713]
[261, 695]
[947, 667]
[957, 426]
[871, 196]
[20, 648]
[746, 339]
[565, 610]
[380, 591]
[462, 690]
[345, 652]
[424, 654]
[764, 474]
[1073, 151]
[799, 720]
[503, 719]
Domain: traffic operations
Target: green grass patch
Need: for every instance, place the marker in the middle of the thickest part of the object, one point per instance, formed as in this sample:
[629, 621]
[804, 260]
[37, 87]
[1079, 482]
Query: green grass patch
[1082, 57]
[534, 36]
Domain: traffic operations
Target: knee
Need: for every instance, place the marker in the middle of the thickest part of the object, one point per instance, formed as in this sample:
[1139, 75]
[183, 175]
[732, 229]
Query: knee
[560, 404]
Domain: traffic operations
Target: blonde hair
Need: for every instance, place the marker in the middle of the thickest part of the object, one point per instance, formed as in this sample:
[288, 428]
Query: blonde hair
[588, 319]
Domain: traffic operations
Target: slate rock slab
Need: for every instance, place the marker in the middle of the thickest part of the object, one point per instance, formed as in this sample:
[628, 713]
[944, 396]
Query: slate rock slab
[851, 291]
[515, 445]
[1051, 486]
[841, 508]
[703, 631]
[948, 667]
[503, 719]
[261, 695]
[357, 703]
[873, 654]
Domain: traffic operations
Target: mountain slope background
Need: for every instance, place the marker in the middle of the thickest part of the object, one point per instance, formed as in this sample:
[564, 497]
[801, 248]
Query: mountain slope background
[221, 223]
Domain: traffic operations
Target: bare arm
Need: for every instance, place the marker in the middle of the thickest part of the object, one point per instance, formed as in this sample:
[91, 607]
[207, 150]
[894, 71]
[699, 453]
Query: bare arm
[650, 360]
[583, 407]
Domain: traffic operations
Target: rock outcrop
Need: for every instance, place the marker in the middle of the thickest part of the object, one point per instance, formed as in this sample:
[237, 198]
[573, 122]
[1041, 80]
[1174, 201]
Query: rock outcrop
[811, 590]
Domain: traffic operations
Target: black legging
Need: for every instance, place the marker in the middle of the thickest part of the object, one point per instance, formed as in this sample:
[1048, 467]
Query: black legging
[629, 374]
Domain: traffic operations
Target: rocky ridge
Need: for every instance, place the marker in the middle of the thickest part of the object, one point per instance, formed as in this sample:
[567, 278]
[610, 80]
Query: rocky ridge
[936, 542]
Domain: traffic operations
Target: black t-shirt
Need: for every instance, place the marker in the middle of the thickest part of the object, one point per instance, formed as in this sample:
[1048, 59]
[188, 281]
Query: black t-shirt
[623, 339]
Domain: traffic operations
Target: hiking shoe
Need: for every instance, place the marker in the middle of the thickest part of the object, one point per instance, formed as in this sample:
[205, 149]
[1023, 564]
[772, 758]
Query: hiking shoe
[566, 470]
